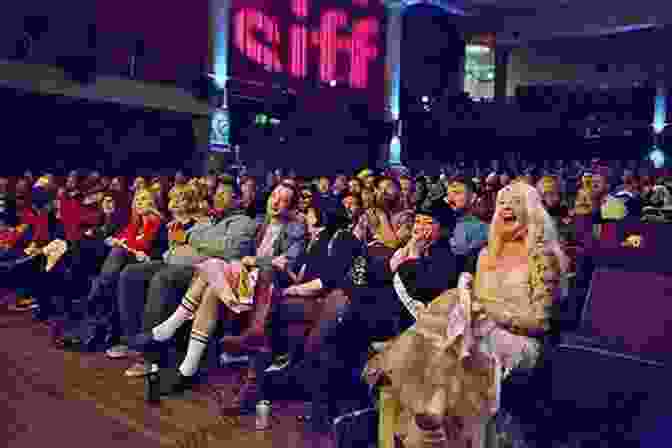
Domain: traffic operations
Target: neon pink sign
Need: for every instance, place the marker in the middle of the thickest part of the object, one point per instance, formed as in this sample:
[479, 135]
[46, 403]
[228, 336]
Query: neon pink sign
[331, 42]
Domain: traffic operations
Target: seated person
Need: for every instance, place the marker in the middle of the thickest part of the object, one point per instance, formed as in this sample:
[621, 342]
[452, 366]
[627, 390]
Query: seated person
[36, 215]
[72, 264]
[148, 293]
[79, 211]
[132, 245]
[386, 223]
[74, 254]
[470, 234]
[446, 370]
[334, 260]
[425, 267]
[14, 237]
[281, 243]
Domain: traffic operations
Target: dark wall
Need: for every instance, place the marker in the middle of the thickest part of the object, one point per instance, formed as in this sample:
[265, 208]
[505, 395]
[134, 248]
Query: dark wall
[61, 133]
[432, 53]
[174, 37]
[101, 35]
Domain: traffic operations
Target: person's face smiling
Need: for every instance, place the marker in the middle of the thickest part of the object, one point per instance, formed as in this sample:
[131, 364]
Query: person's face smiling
[279, 202]
[425, 228]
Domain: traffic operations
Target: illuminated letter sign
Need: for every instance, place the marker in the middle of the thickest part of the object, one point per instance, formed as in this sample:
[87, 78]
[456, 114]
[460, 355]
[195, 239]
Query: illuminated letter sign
[298, 37]
[257, 37]
[339, 42]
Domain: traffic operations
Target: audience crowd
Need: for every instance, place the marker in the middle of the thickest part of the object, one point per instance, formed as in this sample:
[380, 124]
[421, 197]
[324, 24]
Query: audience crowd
[438, 286]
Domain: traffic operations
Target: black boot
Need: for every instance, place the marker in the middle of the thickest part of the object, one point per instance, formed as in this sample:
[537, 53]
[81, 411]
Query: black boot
[171, 381]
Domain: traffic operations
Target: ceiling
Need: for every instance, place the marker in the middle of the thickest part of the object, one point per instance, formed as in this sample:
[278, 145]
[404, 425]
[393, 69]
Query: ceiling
[533, 20]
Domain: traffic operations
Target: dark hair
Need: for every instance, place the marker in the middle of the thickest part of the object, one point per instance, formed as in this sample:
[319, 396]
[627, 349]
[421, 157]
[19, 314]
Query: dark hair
[358, 180]
[355, 197]
[382, 179]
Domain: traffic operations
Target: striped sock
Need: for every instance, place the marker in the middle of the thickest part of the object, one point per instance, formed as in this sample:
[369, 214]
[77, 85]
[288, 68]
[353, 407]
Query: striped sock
[197, 345]
[166, 329]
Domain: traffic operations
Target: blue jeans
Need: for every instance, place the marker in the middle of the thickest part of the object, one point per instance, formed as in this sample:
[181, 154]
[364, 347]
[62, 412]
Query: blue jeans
[100, 305]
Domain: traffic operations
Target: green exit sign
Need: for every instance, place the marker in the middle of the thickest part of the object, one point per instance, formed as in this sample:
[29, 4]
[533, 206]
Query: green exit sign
[265, 121]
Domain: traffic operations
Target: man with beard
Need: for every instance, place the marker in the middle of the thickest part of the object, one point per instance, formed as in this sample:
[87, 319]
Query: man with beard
[387, 224]
[470, 234]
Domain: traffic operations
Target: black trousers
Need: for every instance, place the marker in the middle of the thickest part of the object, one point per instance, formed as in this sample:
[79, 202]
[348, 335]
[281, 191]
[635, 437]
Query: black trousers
[148, 294]
[373, 314]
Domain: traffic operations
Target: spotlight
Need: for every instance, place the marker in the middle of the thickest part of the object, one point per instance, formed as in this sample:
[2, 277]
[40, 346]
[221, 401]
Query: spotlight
[657, 157]
[332, 83]
[424, 99]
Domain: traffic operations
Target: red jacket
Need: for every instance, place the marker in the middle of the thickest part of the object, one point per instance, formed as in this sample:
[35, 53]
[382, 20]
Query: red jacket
[39, 222]
[11, 237]
[140, 237]
[74, 216]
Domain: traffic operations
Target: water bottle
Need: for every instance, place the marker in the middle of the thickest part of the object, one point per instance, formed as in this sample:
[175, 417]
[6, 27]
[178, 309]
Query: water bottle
[263, 415]
[152, 389]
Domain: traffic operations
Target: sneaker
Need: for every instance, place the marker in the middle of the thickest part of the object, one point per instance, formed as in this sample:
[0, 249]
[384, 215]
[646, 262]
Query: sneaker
[137, 370]
[280, 362]
[225, 359]
[120, 352]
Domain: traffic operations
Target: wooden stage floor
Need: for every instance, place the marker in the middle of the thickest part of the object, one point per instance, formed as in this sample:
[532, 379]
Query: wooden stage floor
[72, 399]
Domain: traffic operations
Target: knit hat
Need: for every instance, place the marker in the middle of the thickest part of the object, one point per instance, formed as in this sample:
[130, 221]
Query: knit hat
[440, 212]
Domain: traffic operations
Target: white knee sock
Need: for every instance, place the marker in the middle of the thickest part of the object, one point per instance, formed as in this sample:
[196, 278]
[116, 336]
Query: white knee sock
[166, 329]
[197, 345]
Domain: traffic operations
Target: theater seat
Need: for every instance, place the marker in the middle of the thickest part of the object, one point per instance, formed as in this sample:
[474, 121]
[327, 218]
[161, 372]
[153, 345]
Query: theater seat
[628, 307]
[617, 364]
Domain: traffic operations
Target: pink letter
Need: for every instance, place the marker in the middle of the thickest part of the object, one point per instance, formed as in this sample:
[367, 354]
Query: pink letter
[364, 50]
[298, 41]
[331, 22]
[248, 24]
